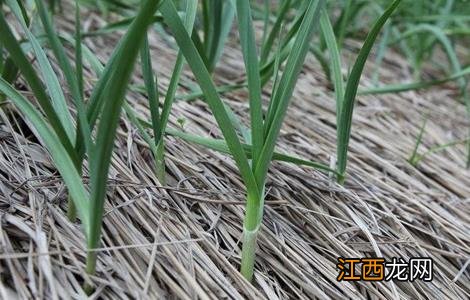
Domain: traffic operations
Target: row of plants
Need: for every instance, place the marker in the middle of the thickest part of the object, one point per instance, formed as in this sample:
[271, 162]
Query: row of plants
[417, 30]
[82, 142]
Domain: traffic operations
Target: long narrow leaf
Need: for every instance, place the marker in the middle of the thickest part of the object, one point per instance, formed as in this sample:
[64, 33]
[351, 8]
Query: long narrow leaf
[83, 130]
[63, 162]
[344, 128]
[78, 51]
[404, 87]
[438, 148]
[221, 146]
[151, 85]
[287, 83]
[21, 61]
[212, 39]
[228, 15]
[191, 10]
[335, 57]
[274, 33]
[250, 56]
[217, 144]
[50, 79]
[123, 64]
[412, 159]
[207, 86]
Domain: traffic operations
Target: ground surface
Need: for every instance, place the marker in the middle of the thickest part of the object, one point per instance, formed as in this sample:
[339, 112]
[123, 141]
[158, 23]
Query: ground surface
[182, 240]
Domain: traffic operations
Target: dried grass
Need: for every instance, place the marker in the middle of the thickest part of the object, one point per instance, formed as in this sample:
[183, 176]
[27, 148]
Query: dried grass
[181, 240]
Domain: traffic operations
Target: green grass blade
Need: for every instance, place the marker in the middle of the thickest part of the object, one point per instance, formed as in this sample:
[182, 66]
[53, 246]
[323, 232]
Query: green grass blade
[273, 67]
[71, 210]
[321, 58]
[240, 128]
[206, 24]
[442, 38]
[250, 56]
[381, 51]
[190, 17]
[116, 26]
[287, 44]
[50, 79]
[275, 31]
[452, 56]
[215, 144]
[9, 73]
[207, 86]
[9, 70]
[217, 22]
[277, 67]
[266, 15]
[267, 70]
[87, 55]
[199, 44]
[228, 15]
[63, 162]
[2, 60]
[404, 87]
[335, 57]
[344, 22]
[83, 130]
[432, 18]
[96, 101]
[141, 127]
[151, 85]
[438, 148]
[430, 41]
[113, 94]
[78, 51]
[414, 155]
[191, 10]
[221, 146]
[344, 127]
[277, 71]
[222, 89]
[212, 38]
[287, 83]
[21, 61]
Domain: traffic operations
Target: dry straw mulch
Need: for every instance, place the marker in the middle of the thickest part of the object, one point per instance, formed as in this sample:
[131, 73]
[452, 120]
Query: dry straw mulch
[182, 240]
